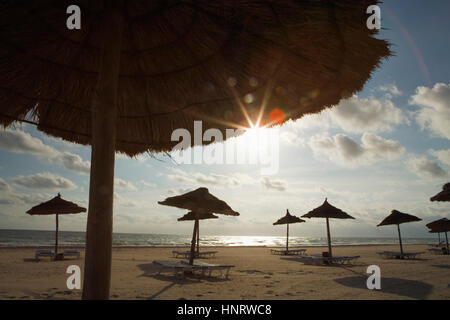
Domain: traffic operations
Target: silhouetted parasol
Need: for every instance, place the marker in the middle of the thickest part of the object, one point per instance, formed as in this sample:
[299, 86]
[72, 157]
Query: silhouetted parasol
[441, 225]
[196, 217]
[56, 206]
[327, 211]
[397, 217]
[288, 219]
[201, 202]
[444, 195]
[137, 70]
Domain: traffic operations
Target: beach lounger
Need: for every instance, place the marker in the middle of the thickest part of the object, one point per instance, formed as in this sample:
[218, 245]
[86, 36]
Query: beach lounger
[438, 250]
[208, 268]
[178, 269]
[320, 260]
[398, 255]
[285, 252]
[187, 254]
[43, 253]
[71, 253]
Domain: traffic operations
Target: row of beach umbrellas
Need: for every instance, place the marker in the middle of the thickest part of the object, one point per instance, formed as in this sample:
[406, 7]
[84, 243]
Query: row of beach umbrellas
[202, 205]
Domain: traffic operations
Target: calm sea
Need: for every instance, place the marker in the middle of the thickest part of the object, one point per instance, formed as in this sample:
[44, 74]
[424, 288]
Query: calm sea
[22, 238]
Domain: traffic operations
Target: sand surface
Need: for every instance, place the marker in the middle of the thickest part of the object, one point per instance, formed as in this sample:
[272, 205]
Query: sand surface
[257, 275]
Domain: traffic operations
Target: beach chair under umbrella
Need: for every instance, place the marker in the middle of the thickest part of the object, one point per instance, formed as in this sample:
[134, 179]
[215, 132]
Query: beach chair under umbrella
[199, 201]
[328, 211]
[397, 218]
[287, 220]
[136, 70]
[193, 216]
[441, 225]
[56, 206]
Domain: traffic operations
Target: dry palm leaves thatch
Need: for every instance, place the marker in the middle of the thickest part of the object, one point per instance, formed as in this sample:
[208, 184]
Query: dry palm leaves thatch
[182, 61]
[200, 201]
[326, 210]
[57, 205]
[190, 216]
[441, 225]
[288, 219]
[444, 195]
[397, 217]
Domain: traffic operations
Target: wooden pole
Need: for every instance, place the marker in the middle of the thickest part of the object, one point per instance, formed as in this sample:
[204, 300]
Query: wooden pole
[194, 237]
[439, 238]
[400, 239]
[446, 240]
[56, 236]
[287, 238]
[329, 239]
[97, 270]
[198, 239]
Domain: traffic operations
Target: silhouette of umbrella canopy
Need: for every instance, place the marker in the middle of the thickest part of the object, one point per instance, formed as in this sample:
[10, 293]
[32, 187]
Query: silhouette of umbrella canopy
[137, 70]
[56, 206]
[193, 216]
[397, 217]
[327, 211]
[438, 226]
[288, 219]
[201, 202]
[444, 195]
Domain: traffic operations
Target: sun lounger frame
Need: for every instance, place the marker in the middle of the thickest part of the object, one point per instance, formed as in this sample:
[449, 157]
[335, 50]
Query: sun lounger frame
[321, 260]
[178, 269]
[290, 252]
[43, 253]
[187, 254]
[397, 255]
[208, 268]
[72, 253]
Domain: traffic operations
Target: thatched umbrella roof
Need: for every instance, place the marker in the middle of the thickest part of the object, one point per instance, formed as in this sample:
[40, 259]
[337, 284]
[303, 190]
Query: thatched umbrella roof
[288, 219]
[200, 200]
[190, 216]
[444, 195]
[441, 225]
[397, 217]
[183, 61]
[326, 210]
[57, 205]
[138, 70]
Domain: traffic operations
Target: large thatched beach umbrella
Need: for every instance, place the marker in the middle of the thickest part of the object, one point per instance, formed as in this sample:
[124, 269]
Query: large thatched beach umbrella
[137, 70]
[56, 206]
[287, 220]
[441, 225]
[397, 217]
[201, 202]
[193, 216]
[444, 195]
[327, 211]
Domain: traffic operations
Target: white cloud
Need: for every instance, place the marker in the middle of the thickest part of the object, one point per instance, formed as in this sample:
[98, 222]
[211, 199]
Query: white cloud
[425, 168]
[4, 187]
[18, 141]
[124, 185]
[391, 90]
[442, 155]
[275, 184]
[344, 150]
[198, 178]
[44, 181]
[147, 184]
[434, 112]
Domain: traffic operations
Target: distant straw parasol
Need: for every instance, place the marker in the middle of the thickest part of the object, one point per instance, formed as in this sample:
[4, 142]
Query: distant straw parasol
[397, 217]
[199, 201]
[328, 211]
[288, 219]
[441, 225]
[193, 216]
[444, 195]
[56, 206]
[137, 70]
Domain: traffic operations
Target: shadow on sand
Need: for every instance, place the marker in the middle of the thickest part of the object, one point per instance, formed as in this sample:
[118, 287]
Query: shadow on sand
[402, 287]
[306, 262]
[150, 270]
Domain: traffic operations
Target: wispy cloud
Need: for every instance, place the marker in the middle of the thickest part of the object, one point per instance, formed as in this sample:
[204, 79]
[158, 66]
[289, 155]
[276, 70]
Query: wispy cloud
[44, 181]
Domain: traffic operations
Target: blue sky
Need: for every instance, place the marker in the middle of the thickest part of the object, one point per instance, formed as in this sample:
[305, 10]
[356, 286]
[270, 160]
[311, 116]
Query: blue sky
[386, 148]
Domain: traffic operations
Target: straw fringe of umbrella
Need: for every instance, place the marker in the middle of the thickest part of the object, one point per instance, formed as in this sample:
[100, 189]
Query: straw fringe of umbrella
[288, 219]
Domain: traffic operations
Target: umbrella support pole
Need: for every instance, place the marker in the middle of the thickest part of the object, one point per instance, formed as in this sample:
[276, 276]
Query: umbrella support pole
[198, 239]
[56, 237]
[194, 237]
[287, 238]
[97, 271]
[329, 239]
[446, 240]
[400, 240]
